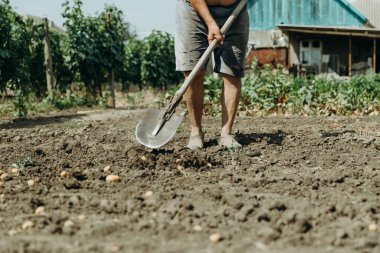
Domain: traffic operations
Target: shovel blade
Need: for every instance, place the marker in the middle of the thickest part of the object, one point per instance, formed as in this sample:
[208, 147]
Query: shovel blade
[145, 128]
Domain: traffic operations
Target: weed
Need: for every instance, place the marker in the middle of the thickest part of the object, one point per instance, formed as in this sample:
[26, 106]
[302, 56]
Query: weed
[23, 163]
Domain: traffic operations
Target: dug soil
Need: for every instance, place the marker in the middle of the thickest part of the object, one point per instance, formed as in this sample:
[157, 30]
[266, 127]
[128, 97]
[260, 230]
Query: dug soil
[300, 184]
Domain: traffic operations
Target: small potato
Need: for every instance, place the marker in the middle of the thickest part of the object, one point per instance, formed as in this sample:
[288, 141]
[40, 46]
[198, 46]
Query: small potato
[216, 237]
[148, 194]
[31, 183]
[115, 248]
[27, 225]
[12, 232]
[68, 223]
[65, 174]
[113, 178]
[197, 228]
[373, 227]
[14, 171]
[40, 210]
[107, 168]
[143, 158]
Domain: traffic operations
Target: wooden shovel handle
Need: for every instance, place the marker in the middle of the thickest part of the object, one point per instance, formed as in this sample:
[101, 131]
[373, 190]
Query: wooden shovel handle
[210, 48]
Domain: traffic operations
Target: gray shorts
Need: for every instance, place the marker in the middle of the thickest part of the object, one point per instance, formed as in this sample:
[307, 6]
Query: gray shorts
[191, 39]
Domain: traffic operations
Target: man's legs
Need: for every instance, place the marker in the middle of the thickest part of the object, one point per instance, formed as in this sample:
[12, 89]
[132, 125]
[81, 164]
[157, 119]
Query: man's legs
[194, 100]
[230, 102]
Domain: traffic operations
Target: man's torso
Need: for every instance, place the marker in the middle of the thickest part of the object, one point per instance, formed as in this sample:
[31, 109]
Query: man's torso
[220, 2]
[217, 2]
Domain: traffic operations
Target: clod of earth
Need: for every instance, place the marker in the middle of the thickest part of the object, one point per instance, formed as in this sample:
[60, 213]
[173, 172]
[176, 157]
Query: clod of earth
[6, 177]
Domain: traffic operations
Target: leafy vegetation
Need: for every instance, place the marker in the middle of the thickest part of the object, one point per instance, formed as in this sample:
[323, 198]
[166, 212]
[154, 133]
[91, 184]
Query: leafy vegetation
[97, 49]
[93, 51]
[157, 61]
[274, 91]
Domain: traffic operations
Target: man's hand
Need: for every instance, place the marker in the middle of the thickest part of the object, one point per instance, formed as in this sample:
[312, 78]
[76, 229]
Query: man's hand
[214, 33]
[200, 6]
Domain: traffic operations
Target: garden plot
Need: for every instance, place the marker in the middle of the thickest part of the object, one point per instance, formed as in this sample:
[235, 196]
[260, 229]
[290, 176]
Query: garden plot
[301, 184]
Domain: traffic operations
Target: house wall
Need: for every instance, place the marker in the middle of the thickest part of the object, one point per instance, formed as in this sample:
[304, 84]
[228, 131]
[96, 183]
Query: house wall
[271, 56]
[267, 14]
[362, 51]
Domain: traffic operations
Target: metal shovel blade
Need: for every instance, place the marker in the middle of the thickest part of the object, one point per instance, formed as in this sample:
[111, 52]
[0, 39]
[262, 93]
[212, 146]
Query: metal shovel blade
[145, 128]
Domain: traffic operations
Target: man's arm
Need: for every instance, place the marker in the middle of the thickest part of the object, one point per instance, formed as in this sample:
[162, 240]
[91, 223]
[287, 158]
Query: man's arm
[200, 6]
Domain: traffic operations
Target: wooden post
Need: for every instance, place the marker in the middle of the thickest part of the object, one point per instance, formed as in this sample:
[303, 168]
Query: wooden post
[50, 79]
[111, 75]
[374, 55]
[350, 56]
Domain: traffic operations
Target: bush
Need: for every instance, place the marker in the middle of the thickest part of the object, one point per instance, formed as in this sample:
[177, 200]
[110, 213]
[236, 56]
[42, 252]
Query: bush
[274, 91]
[158, 61]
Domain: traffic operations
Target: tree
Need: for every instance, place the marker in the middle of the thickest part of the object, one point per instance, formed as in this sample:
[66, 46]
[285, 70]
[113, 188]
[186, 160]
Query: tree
[131, 71]
[158, 60]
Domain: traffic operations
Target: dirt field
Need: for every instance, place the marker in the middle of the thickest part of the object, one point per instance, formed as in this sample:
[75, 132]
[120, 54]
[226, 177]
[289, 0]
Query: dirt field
[301, 184]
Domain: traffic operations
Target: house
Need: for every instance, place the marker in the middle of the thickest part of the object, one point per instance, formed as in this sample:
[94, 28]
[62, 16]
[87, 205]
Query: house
[315, 36]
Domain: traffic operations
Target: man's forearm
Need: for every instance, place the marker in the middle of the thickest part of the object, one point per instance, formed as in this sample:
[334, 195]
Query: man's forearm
[200, 6]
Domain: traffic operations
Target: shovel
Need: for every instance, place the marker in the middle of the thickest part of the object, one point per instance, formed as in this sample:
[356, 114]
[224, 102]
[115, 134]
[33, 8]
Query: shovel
[158, 127]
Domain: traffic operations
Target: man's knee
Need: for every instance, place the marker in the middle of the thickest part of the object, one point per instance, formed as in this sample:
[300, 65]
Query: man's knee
[198, 79]
[236, 81]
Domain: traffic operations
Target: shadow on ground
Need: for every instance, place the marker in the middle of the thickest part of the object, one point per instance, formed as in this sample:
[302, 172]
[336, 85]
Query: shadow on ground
[271, 138]
[39, 121]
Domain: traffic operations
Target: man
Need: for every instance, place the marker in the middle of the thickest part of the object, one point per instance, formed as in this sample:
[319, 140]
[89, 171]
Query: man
[198, 24]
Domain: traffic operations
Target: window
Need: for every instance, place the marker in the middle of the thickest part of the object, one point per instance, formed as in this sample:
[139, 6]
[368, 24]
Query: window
[316, 44]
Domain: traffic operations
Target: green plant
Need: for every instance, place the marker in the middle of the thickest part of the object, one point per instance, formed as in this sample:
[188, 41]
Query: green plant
[158, 61]
[19, 104]
[23, 163]
[274, 91]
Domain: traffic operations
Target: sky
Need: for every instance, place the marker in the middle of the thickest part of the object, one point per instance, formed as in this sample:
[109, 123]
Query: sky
[143, 15]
